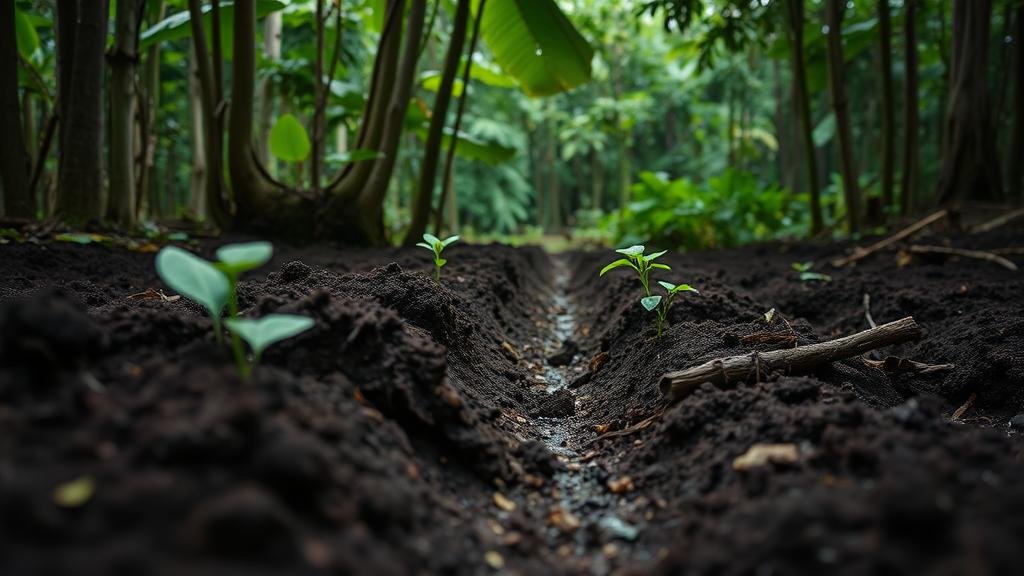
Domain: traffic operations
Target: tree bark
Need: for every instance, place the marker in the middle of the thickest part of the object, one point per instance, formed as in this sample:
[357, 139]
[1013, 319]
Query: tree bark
[272, 50]
[908, 184]
[198, 132]
[251, 189]
[371, 198]
[14, 159]
[795, 34]
[837, 90]
[319, 100]
[82, 34]
[888, 105]
[435, 134]
[449, 161]
[970, 161]
[737, 369]
[216, 207]
[150, 134]
[121, 207]
[1016, 176]
[597, 180]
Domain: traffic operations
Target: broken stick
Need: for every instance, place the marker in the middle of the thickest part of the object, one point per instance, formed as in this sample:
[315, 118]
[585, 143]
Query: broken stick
[861, 253]
[998, 221]
[947, 251]
[721, 372]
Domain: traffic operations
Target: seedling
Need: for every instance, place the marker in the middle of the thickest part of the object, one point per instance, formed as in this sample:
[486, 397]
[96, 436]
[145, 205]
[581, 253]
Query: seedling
[662, 304]
[804, 270]
[213, 285]
[197, 280]
[436, 245]
[635, 259]
[263, 332]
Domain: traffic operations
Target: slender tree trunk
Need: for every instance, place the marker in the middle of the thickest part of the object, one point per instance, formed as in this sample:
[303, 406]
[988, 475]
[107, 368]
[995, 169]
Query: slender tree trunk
[252, 190]
[272, 51]
[432, 147]
[449, 161]
[597, 180]
[625, 169]
[121, 207]
[837, 89]
[14, 159]
[554, 184]
[198, 131]
[888, 105]
[795, 34]
[970, 161]
[216, 207]
[319, 99]
[82, 35]
[150, 134]
[371, 198]
[910, 108]
[1016, 176]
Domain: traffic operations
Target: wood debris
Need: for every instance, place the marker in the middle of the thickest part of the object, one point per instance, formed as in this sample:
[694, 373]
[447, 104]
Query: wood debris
[502, 501]
[897, 365]
[621, 485]
[153, 294]
[760, 455]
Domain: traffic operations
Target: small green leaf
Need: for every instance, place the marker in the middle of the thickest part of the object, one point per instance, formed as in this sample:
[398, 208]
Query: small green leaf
[450, 240]
[262, 332]
[76, 493]
[25, 33]
[75, 238]
[632, 250]
[683, 288]
[288, 139]
[238, 258]
[425, 245]
[660, 266]
[431, 239]
[667, 286]
[440, 262]
[651, 257]
[650, 302]
[769, 315]
[802, 266]
[193, 277]
[814, 277]
[614, 265]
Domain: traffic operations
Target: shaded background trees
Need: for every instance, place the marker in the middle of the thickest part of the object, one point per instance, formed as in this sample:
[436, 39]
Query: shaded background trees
[688, 122]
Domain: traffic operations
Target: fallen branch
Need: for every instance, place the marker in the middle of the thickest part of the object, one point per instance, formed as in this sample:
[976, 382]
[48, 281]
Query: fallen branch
[947, 251]
[897, 365]
[1008, 250]
[723, 371]
[861, 253]
[998, 221]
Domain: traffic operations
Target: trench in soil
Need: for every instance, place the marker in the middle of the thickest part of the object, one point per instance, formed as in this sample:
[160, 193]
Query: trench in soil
[580, 484]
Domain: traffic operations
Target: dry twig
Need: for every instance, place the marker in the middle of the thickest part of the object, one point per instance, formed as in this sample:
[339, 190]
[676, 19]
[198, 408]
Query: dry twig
[861, 253]
[977, 254]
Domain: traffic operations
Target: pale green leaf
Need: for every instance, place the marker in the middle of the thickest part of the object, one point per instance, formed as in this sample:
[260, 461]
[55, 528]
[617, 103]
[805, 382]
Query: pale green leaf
[614, 265]
[431, 239]
[194, 278]
[288, 139]
[650, 302]
[27, 38]
[632, 250]
[449, 240]
[262, 332]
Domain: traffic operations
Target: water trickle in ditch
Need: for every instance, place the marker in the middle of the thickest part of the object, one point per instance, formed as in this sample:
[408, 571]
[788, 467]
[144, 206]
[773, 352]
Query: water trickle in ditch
[580, 483]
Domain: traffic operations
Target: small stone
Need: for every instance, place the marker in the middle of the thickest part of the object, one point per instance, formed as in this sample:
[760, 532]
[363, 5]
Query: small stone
[762, 454]
[563, 519]
[494, 560]
[1017, 422]
[621, 485]
[502, 501]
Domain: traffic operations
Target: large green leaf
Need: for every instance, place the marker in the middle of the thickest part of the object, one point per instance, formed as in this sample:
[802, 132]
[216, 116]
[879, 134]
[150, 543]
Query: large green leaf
[288, 139]
[193, 277]
[535, 43]
[178, 25]
[28, 39]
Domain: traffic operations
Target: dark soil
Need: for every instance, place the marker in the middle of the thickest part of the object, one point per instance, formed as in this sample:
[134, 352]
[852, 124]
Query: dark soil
[507, 420]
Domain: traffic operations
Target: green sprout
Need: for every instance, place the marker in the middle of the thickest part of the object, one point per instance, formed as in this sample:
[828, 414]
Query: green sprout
[436, 245]
[662, 304]
[214, 285]
[635, 259]
[804, 270]
[263, 332]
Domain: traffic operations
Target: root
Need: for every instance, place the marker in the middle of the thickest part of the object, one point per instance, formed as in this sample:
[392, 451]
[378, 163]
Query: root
[720, 372]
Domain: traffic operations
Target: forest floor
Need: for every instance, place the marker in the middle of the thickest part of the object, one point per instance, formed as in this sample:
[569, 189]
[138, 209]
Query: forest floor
[507, 420]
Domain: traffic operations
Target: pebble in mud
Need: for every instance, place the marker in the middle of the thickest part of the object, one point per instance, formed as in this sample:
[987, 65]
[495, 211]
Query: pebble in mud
[1017, 423]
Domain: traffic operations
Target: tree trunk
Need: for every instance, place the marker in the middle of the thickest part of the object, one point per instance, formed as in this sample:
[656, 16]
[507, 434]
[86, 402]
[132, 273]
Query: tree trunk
[970, 161]
[554, 188]
[449, 161]
[14, 159]
[625, 169]
[432, 147]
[371, 198]
[795, 34]
[251, 189]
[910, 108]
[1016, 176]
[150, 134]
[198, 132]
[82, 34]
[216, 207]
[319, 100]
[272, 51]
[837, 90]
[597, 180]
[888, 105]
[121, 207]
